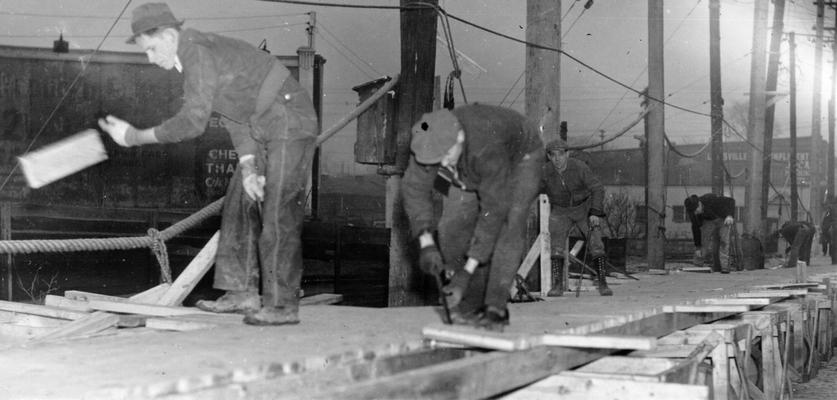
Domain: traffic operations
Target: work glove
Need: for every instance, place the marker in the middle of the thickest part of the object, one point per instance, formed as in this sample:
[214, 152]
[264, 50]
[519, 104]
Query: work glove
[253, 182]
[456, 288]
[595, 221]
[116, 128]
[430, 260]
[729, 221]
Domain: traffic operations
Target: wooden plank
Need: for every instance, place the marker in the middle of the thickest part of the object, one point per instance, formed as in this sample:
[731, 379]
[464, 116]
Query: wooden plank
[574, 388]
[704, 270]
[191, 275]
[515, 342]
[91, 324]
[752, 301]
[81, 296]
[774, 293]
[9, 317]
[45, 311]
[145, 309]
[321, 299]
[68, 304]
[707, 308]
[169, 324]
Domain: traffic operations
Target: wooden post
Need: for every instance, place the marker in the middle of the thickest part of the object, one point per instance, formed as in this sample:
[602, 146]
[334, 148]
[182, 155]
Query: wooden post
[831, 104]
[716, 97]
[543, 67]
[816, 180]
[6, 261]
[754, 201]
[792, 122]
[415, 97]
[770, 112]
[655, 165]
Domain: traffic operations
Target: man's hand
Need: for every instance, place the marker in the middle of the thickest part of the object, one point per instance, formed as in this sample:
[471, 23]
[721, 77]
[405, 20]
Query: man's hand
[698, 254]
[254, 186]
[729, 221]
[430, 260]
[595, 221]
[253, 182]
[116, 128]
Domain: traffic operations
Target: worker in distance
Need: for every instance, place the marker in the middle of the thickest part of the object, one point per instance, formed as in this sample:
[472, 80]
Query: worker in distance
[273, 127]
[490, 160]
[712, 220]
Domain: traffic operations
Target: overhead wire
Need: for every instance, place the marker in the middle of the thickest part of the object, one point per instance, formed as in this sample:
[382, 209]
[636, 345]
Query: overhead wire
[347, 48]
[349, 59]
[66, 94]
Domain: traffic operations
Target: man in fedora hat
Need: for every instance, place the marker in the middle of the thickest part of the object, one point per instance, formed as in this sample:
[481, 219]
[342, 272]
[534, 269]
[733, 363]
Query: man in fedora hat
[576, 198]
[273, 127]
[491, 158]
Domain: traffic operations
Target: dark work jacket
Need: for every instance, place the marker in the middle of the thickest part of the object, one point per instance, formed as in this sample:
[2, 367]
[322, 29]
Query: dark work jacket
[574, 186]
[714, 207]
[496, 140]
[220, 74]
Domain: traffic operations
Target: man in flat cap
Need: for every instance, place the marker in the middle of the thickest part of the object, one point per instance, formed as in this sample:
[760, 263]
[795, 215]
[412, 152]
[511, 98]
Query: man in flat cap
[273, 127]
[712, 218]
[576, 198]
[491, 159]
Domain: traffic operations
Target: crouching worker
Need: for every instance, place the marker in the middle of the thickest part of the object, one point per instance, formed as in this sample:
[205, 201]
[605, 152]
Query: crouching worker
[712, 224]
[491, 159]
[800, 237]
[576, 198]
[273, 127]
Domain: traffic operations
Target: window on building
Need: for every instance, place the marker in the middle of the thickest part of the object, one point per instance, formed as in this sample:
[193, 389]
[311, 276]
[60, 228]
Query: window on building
[678, 214]
[641, 216]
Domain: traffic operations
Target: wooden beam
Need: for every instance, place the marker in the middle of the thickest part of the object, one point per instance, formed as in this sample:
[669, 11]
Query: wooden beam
[707, 308]
[729, 301]
[145, 309]
[515, 342]
[67, 304]
[321, 299]
[774, 293]
[191, 275]
[46, 311]
[565, 387]
[89, 325]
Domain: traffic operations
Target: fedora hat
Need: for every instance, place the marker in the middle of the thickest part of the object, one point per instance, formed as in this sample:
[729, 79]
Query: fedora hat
[151, 16]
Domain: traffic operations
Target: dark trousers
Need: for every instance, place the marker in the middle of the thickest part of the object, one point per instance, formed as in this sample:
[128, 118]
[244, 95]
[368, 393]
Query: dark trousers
[491, 282]
[269, 240]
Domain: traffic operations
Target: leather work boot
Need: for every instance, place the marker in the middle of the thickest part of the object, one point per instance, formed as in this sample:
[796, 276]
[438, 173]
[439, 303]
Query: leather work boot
[459, 317]
[601, 273]
[272, 316]
[234, 301]
[557, 266]
[493, 319]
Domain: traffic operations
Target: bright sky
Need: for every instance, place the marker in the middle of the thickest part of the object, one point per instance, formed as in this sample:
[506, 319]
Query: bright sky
[363, 44]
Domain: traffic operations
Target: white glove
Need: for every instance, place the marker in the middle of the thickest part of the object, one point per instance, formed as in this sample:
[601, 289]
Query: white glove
[116, 128]
[594, 221]
[254, 186]
[728, 221]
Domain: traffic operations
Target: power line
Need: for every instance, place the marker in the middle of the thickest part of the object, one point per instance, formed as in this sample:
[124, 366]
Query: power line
[349, 59]
[321, 25]
[44, 15]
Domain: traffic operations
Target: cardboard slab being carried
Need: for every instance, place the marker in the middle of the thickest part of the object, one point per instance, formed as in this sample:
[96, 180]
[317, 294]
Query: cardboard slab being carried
[62, 158]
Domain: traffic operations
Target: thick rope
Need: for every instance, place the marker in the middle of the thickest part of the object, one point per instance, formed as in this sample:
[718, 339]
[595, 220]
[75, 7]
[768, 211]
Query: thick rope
[117, 243]
[158, 247]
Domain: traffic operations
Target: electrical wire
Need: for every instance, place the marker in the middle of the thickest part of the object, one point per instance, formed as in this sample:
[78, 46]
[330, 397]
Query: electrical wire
[349, 59]
[349, 49]
[66, 93]
[519, 77]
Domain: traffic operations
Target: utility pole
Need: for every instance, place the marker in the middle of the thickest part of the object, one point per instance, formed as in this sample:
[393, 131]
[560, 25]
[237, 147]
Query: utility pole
[415, 97]
[716, 97]
[792, 65]
[543, 67]
[754, 201]
[816, 180]
[831, 104]
[770, 112]
[655, 164]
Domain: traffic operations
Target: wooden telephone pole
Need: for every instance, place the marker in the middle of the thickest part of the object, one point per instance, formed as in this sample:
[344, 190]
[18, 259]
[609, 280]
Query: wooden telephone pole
[831, 104]
[655, 163]
[754, 201]
[770, 112]
[415, 97]
[716, 97]
[793, 163]
[816, 180]
[543, 67]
